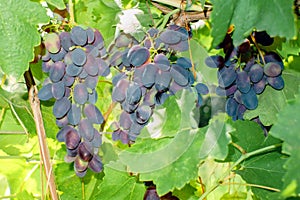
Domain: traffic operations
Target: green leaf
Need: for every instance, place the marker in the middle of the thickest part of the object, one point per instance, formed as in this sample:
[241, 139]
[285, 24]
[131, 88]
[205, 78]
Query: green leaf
[119, 185]
[19, 35]
[271, 101]
[265, 170]
[159, 160]
[247, 15]
[216, 139]
[57, 3]
[287, 129]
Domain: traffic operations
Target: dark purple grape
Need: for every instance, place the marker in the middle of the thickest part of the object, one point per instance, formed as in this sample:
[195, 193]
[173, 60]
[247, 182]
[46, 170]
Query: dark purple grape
[57, 71]
[92, 50]
[215, 61]
[58, 90]
[72, 139]
[272, 69]
[125, 121]
[91, 66]
[244, 47]
[240, 111]
[161, 59]
[276, 82]
[74, 115]
[52, 43]
[68, 59]
[91, 82]
[85, 151]
[249, 99]
[202, 88]
[135, 129]
[58, 56]
[61, 122]
[46, 56]
[256, 73]
[120, 135]
[80, 93]
[170, 37]
[273, 57]
[46, 66]
[162, 80]
[179, 75]
[80, 165]
[119, 91]
[79, 36]
[243, 81]
[83, 74]
[61, 107]
[68, 80]
[45, 92]
[143, 114]
[263, 38]
[151, 194]
[98, 41]
[78, 57]
[73, 70]
[139, 56]
[148, 77]
[160, 98]
[184, 62]
[116, 59]
[181, 46]
[226, 76]
[174, 87]
[65, 40]
[90, 35]
[95, 164]
[260, 86]
[97, 140]
[231, 107]
[93, 114]
[133, 94]
[86, 129]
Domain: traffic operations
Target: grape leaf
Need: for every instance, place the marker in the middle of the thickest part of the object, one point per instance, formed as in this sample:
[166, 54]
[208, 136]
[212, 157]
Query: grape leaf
[247, 14]
[287, 129]
[159, 160]
[57, 3]
[216, 138]
[19, 35]
[124, 186]
[265, 170]
[271, 101]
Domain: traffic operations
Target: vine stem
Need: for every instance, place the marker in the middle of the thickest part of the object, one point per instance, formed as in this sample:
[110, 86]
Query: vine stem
[241, 159]
[37, 115]
[71, 11]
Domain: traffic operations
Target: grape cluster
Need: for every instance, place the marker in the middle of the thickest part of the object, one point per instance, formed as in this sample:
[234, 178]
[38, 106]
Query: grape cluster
[243, 73]
[149, 74]
[74, 63]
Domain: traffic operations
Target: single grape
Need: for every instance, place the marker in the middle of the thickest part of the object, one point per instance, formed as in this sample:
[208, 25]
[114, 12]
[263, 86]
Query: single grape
[52, 42]
[231, 107]
[202, 88]
[119, 91]
[97, 140]
[80, 166]
[78, 57]
[58, 56]
[45, 92]
[179, 75]
[95, 164]
[65, 40]
[133, 94]
[73, 70]
[170, 37]
[91, 82]
[85, 151]
[86, 129]
[90, 35]
[272, 69]
[93, 97]
[61, 135]
[143, 114]
[162, 80]
[58, 90]
[256, 73]
[79, 36]
[243, 81]
[74, 115]
[161, 59]
[57, 71]
[226, 76]
[259, 87]
[125, 121]
[184, 62]
[93, 114]
[47, 65]
[276, 82]
[249, 99]
[148, 77]
[72, 139]
[139, 56]
[61, 107]
[80, 93]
